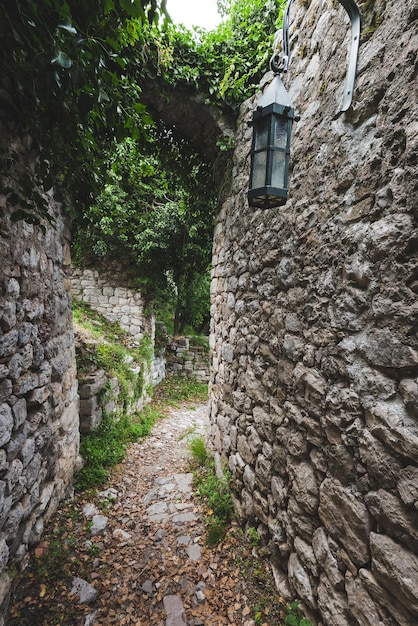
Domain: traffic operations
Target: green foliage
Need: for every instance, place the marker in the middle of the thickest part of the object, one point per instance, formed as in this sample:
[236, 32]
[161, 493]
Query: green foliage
[174, 391]
[214, 492]
[157, 214]
[295, 616]
[111, 351]
[198, 450]
[106, 447]
[227, 63]
[253, 536]
[71, 81]
[64, 83]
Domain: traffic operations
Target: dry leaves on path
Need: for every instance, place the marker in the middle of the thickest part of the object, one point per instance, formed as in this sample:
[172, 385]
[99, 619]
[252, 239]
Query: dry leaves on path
[152, 549]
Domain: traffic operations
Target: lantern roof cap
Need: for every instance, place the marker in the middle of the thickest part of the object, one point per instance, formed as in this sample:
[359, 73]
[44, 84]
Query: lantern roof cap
[275, 93]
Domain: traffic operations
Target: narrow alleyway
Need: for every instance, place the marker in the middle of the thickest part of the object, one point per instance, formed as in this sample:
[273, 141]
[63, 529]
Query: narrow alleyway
[141, 545]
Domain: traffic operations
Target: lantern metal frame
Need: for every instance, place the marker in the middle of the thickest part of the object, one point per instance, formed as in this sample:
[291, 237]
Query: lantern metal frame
[275, 109]
[270, 153]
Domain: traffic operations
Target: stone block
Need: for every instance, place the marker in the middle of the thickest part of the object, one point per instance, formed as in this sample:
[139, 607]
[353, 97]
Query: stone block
[6, 389]
[32, 470]
[299, 581]
[326, 558]
[408, 485]
[306, 556]
[279, 490]
[254, 441]
[13, 474]
[393, 518]
[361, 605]
[17, 442]
[88, 406]
[27, 383]
[293, 440]
[13, 520]
[263, 473]
[382, 465]
[8, 343]
[390, 423]
[304, 485]
[38, 396]
[333, 604]
[300, 523]
[4, 553]
[249, 478]
[89, 422]
[6, 424]
[385, 599]
[396, 568]
[260, 507]
[408, 388]
[383, 349]
[346, 519]
[245, 451]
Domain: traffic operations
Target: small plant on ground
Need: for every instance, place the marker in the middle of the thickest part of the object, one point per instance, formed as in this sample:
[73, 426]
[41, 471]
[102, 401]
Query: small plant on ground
[174, 391]
[105, 345]
[199, 452]
[106, 446]
[253, 536]
[188, 432]
[295, 616]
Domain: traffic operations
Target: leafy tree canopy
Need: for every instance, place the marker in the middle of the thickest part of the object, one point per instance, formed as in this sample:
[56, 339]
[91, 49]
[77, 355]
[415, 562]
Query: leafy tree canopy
[71, 80]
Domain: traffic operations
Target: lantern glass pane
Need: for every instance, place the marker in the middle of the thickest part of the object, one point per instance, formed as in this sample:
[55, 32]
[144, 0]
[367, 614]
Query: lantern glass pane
[259, 170]
[261, 134]
[279, 170]
[280, 132]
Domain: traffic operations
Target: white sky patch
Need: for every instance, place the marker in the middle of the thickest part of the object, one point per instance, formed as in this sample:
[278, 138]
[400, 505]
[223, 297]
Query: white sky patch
[191, 13]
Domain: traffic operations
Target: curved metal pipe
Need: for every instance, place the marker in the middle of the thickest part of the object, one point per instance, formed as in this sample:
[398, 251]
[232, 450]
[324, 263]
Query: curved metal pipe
[278, 66]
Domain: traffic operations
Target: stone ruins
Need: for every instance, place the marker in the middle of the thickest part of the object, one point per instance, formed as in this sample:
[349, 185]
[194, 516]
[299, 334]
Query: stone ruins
[314, 398]
[314, 347]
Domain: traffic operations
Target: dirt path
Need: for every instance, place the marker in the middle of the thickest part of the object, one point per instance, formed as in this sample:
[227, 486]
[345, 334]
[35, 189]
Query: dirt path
[140, 556]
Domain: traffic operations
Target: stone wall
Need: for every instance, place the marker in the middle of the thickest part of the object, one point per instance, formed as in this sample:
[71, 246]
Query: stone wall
[108, 293]
[39, 434]
[314, 393]
[100, 393]
[186, 360]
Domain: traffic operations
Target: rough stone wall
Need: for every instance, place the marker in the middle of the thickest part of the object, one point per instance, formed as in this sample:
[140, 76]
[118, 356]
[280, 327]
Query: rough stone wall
[106, 292]
[314, 393]
[39, 434]
[183, 359]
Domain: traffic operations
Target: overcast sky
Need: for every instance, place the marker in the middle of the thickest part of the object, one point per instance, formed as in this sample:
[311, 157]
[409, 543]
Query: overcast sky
[194, 13]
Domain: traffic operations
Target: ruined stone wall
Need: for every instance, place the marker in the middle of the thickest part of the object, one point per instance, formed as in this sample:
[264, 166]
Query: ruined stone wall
[108, 293]
[314, 394]
[187, 361]
[39, 434]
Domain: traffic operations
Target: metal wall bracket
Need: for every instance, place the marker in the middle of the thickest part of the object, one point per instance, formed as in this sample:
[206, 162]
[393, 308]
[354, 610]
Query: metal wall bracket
[281, 65]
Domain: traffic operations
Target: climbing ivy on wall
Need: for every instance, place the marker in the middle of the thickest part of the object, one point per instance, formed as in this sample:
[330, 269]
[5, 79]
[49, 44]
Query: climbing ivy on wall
[224, 64]
[71, 78]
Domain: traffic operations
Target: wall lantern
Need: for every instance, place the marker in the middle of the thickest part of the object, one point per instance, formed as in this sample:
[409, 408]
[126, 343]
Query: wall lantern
[273, 119]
